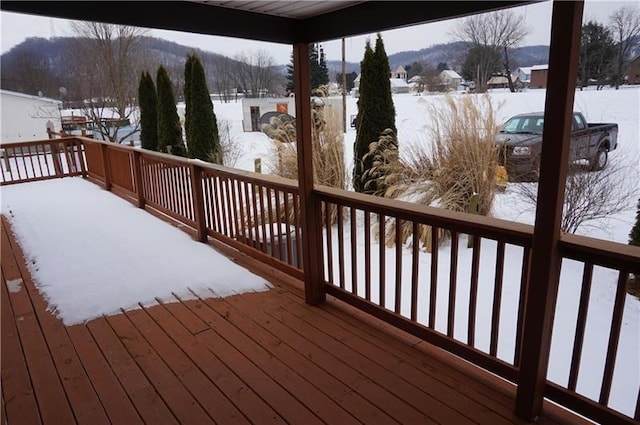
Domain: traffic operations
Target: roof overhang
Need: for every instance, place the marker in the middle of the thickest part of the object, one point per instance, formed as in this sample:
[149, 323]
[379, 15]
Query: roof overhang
[282, 24]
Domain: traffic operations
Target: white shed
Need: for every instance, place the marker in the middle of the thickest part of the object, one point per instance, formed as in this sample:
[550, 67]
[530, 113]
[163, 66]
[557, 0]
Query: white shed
[26, 117]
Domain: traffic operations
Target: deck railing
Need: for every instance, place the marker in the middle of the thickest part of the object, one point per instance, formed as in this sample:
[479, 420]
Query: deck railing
[40, 160]
[426, 280]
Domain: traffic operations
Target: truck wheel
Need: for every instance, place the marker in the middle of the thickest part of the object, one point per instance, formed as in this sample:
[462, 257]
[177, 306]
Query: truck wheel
[599, 160]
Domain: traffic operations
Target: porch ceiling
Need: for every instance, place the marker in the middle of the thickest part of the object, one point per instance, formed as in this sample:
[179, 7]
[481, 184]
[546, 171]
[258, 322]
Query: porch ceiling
[275, 21]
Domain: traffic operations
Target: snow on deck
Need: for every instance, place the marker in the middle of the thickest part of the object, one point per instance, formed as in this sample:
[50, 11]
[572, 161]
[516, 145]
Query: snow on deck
[91, 253]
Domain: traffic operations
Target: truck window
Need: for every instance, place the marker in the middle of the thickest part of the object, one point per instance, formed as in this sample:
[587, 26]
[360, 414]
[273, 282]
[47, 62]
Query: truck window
[578, 123]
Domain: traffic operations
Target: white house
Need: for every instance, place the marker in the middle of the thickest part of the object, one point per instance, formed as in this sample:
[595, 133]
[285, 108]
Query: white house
[399, 85]
[523, 74]
[26, 117]
[450, 79]
[254, 109]
[400, 73]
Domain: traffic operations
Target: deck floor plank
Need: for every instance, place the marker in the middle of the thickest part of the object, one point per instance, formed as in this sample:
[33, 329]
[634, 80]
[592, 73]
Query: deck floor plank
[376, 392]
[281, 400]
[218, 407]
[249, 403]
[114, 398]
[17, 392]
[144, 396]
[261, 358]
[82, 397]
[185, 408]
[52, 401]
[308, 394]
[341, 394]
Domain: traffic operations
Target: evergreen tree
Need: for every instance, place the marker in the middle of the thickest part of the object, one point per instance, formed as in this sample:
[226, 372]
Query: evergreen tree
[169, 130]
[289, 87]
[148, 102]
[634, 236]
[318, 70]
[203, 141]
[597, 54]
[375, 110]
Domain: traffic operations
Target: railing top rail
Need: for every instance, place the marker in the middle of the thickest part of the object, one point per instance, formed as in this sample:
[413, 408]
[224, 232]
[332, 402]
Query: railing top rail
[287, 184]
[600, 252]
[8, 145]
[508, 231]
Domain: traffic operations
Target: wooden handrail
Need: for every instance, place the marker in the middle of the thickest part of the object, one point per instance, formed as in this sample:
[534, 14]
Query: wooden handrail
[488, 227]
[601, 253]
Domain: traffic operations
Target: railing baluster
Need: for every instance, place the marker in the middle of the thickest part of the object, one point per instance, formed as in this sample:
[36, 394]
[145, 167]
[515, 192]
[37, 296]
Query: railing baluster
[614, 337]
[524, 282]
[433, 290]
[262, 219]
[415, 260]
[230, 207]
[497, 298]
[329, 227]
[354, 252]
[398, 237]
[273, 224]
[287, 218]
[296, 212]
[241, 219]
[367, 254]
[250, 217]
[39, 160]
[255, 216]
[33, 167]
[583, 309]
[473, 291]
[453, 278]
[341, 245]
[382, 253]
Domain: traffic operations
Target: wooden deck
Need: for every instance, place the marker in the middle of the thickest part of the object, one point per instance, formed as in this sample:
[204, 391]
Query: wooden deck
[264, 358]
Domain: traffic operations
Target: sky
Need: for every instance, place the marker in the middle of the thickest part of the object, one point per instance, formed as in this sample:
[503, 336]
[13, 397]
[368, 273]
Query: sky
[16, 28]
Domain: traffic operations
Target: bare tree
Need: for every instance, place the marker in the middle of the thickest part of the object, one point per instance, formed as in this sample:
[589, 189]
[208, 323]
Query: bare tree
[591, 195]
[256, 73]
[625, 26]
[224, 81]
[489, 33]
[106, 61]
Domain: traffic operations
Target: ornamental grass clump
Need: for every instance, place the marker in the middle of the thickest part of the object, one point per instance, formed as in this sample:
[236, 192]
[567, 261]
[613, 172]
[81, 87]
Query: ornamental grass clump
[458, 160]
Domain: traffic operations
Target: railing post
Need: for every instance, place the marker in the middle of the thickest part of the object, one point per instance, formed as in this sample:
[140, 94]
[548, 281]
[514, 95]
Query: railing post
[55, 155]
[106, 166]
[137, 178]
[312, 258]
[566, 23]
[198, 202]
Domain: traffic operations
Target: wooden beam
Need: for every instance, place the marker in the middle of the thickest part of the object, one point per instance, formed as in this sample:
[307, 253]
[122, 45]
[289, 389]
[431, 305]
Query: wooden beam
[566, 23]
[312, 258]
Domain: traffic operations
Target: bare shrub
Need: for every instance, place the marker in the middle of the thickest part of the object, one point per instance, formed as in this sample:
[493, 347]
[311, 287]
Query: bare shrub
[230, 145]
[459, 161]
[328, 149]
[591, 195]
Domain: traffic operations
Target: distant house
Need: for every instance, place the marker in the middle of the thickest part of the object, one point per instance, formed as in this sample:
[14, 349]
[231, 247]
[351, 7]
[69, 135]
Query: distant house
[26, 117]
[523, 75]
[400, 73]
[498, 82]
[634, 72]
[399, 85]
[450, 79]
[539, 76]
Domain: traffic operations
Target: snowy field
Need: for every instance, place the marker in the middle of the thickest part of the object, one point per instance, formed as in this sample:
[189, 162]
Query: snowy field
[69, 246]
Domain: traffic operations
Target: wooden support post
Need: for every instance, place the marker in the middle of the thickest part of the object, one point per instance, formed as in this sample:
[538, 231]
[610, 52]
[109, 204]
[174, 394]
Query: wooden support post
[198, 202]
[312, 259]
[542, 289]
[137, 178]
[106, 166]
[55, 155]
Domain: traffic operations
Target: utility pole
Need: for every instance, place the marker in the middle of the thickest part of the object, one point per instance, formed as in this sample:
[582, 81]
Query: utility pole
[344, 90]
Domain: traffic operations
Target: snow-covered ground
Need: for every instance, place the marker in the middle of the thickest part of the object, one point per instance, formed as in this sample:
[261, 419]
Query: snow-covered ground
[91, 253]
[81, 280]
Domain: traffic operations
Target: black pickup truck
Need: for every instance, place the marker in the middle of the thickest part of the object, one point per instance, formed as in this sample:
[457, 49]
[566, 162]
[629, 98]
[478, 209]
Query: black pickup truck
[520, 144]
